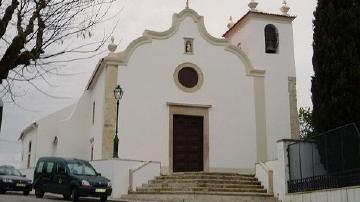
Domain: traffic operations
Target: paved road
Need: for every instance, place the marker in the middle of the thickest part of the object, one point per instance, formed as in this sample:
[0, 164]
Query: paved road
[18, 197]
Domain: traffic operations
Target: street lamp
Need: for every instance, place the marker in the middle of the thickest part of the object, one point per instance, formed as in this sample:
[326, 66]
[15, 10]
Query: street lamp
[118, 93]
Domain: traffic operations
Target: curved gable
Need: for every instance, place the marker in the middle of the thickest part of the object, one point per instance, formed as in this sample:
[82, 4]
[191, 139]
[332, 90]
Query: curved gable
[123, 57]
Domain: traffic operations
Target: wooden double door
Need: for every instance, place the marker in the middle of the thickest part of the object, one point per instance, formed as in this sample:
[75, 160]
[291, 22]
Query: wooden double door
[188, 144]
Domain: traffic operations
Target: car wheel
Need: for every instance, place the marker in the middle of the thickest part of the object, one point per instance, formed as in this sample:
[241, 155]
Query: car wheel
[66, 196]
[39, 193]
[26, 193]
[74, 194]
[103, 198]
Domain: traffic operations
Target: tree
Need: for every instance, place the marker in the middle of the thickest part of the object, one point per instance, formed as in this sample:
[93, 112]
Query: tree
[336, 62]
[33, 32]
[306, 124]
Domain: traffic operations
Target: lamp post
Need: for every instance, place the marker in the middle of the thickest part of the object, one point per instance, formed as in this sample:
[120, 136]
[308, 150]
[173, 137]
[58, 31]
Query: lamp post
[118, 93]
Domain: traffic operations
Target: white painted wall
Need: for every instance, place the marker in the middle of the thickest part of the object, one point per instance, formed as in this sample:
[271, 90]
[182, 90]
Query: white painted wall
[149, 85]
[73, 127]
[265, 175]
[42, 137]
[145, 174]
[280, 170]
[117, 170]
[30, 137]
[73, 131]
[77, 128]
[97, 95]
[47, 130]
[279, 67]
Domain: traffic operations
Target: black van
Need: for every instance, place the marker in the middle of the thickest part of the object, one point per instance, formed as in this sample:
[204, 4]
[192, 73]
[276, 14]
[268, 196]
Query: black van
[70, 177]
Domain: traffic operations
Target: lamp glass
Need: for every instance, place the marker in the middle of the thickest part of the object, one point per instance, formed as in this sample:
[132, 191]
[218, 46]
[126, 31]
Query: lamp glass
[118, 92]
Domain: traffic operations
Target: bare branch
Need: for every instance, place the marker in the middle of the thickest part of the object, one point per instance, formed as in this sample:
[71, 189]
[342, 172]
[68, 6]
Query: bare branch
[41, 35]
[7, 16]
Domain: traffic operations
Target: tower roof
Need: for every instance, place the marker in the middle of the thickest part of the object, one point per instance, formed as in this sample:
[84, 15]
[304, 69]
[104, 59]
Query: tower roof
[257, 13]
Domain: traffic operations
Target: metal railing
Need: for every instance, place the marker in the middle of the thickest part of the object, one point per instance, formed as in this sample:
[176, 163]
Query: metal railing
[329, 160]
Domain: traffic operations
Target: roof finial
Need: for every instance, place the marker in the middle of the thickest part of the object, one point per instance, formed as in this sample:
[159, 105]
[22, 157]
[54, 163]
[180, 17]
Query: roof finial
[231, 23]
[285, 8]
[252, 5]
[112, 46]
[187, 4]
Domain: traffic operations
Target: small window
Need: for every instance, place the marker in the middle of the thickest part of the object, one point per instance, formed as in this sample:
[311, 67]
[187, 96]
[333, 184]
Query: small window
[30, 147]
[29, 155]
[271, 39]
[188, 77]
[93, 113]
[92, 153]
[49, 167]
[40, 167]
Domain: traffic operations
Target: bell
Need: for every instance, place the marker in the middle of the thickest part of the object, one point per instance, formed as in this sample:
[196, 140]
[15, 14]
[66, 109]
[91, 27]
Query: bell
[271, 48]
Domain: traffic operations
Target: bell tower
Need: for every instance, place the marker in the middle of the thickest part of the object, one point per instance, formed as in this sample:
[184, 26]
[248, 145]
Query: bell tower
[267, 40]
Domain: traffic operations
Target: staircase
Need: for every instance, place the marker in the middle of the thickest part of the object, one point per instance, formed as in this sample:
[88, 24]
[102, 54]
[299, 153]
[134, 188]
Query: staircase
[202, 187]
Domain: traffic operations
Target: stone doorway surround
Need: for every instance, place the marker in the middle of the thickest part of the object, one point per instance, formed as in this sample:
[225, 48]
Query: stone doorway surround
[190, 110]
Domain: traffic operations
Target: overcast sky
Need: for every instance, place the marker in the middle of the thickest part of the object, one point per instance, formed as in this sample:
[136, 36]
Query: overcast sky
[135, 17]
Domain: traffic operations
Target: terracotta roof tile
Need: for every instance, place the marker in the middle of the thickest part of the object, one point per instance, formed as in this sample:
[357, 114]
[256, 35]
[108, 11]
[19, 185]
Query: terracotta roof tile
[260, 13]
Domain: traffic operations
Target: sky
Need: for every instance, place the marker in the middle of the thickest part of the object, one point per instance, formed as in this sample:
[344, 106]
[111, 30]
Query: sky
[134, 17]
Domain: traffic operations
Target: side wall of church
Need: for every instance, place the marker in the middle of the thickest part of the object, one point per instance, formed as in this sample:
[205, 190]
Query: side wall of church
[25, 144]
[73, 141]
[280, 70]
[97, 97]
[148, 81]
[43, 136]
[76, 128]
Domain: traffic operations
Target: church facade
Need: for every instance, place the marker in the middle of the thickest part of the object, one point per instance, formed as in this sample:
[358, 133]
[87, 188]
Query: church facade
[191, 101]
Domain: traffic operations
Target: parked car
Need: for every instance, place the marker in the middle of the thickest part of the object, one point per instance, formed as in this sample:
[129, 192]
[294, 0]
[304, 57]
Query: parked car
[73, 178]
[12, 180]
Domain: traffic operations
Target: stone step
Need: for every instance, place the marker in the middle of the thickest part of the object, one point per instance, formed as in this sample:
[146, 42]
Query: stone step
[200, 197]
[212, 173]
[222, 177]
[202, 187]
[210, 185]
[199, 189]
[213, 181]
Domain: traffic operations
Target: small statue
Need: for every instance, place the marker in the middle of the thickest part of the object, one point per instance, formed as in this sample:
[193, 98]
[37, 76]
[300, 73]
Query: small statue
[188, 48]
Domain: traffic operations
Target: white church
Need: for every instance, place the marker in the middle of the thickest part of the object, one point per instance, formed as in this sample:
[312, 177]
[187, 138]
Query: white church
[191, 102]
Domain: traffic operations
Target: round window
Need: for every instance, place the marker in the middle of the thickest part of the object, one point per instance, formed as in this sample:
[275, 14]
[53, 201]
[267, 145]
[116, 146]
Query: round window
[188, 77]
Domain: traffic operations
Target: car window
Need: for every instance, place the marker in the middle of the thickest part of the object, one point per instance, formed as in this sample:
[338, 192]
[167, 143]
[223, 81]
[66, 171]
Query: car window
[60, 168]
[15, 172]
[81, 168]
[49, 167]
[8, 170]
[89, 171]
[40, 167]
[3, 171]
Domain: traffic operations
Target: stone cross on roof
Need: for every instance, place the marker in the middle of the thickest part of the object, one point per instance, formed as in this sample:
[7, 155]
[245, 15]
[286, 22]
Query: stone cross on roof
[187, 4]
